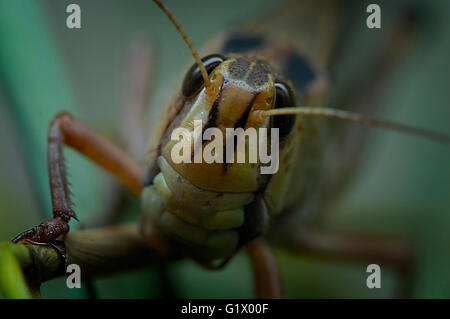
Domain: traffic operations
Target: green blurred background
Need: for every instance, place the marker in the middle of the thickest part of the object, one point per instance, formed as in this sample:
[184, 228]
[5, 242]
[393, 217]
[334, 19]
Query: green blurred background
[403, 187]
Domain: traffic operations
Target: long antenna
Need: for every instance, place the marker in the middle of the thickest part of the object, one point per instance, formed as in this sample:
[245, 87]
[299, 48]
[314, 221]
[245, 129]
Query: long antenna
[186, 39]
[355, 118]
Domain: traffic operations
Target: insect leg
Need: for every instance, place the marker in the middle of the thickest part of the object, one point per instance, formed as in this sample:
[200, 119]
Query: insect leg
[353, 247]
[267, 278]
[66, 130]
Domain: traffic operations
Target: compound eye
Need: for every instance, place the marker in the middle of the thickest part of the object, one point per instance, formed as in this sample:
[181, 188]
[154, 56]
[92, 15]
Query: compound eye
[193, 81]
[284, 97]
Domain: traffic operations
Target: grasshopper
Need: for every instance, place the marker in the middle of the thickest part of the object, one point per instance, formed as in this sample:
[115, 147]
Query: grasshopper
[255, 78]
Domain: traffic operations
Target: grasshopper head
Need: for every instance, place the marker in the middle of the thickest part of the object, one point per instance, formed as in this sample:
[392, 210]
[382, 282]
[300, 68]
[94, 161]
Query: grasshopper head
[214, 140]
[212, 205]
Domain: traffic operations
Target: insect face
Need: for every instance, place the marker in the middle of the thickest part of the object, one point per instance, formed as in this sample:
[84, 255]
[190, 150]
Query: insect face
[202, 205]
[238, 87]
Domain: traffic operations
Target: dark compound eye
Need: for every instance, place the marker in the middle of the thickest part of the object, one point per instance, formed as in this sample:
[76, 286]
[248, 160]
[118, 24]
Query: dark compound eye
[193, 80]
[284, 98]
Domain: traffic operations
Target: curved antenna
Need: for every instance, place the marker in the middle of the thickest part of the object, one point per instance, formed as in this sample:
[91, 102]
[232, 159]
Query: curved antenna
[186, 39]
[355, 118]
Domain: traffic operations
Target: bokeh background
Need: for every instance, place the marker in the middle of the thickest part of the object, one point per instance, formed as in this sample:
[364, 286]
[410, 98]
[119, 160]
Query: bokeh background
[402, 189]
